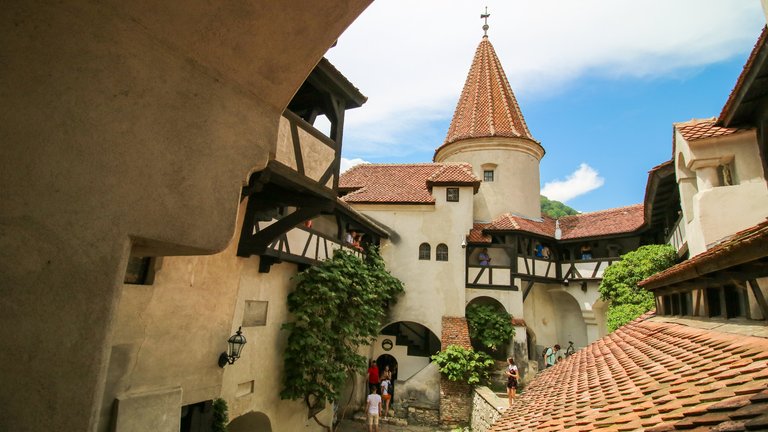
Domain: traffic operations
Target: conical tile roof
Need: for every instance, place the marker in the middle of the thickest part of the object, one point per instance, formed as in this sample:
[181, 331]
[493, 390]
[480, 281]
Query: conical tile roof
[487, 107]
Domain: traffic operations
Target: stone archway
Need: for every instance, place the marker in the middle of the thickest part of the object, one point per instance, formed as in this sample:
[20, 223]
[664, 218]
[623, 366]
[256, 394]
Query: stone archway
[571, 325]
[251, 422]
[503, 351]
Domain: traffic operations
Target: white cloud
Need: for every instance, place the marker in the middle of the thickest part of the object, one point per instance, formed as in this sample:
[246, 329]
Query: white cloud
[411, 58]
[349, 163]
[581, 181]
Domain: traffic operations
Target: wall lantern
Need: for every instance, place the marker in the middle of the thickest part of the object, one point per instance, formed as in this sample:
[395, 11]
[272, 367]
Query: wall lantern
[236, 342]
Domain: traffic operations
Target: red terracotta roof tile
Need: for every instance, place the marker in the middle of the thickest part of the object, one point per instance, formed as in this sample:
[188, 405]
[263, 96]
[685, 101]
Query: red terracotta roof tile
[605, 222]
[644, 377]
[402, 183]
[750, 244]
[740, 82]
[487, 106]
[703, 128]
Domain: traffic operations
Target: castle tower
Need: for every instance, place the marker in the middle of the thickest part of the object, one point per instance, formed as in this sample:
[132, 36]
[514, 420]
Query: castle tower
[488, 130]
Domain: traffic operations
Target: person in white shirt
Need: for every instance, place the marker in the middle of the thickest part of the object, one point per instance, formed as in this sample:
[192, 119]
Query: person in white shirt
[374, 410]
[385, 394]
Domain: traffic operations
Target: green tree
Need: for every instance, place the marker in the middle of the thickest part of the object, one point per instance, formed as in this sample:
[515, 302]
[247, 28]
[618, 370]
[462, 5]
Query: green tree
[337, 306]
[464, 365]
[619, 284]
[555, 209]
[220, 415]
[488, 326]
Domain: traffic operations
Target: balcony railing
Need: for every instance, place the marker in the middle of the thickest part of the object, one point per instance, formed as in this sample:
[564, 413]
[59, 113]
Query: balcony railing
[503, 277]
[305, 246]
[676, 236]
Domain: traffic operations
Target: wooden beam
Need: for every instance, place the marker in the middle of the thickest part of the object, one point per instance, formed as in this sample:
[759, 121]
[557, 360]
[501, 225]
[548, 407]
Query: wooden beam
[761, 302]
[257, 244]
[527, 289]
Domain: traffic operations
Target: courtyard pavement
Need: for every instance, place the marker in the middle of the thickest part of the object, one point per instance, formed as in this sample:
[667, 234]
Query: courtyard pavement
[357, 426]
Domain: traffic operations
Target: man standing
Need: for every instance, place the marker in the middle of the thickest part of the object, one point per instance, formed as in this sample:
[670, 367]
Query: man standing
[373, 374]
[550, 356]
[373, 408]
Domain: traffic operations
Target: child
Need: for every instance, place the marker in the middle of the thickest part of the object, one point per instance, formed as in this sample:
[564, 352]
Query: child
[385, 386]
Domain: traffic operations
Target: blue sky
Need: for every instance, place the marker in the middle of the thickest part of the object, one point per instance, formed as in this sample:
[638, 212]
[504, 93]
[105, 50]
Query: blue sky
[600, 82]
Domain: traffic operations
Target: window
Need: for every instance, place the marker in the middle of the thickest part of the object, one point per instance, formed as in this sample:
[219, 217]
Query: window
[725, 175]
[441, 253]
[425, 251]
[452, 194]
[488, 175]
[140, 271]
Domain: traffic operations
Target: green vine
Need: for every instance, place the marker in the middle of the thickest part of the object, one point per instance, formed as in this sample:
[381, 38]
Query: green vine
[488, 326]
[337, 306]
[464, 365]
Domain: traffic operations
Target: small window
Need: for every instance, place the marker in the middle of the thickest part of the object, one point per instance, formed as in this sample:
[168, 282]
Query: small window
[425, 251]
[725, 175]
[488, 175]
[452, 194]
[441, 253]
[735, 302]
[140, 271]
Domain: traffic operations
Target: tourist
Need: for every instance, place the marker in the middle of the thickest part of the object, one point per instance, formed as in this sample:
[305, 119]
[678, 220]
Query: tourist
[586, 252]
[385, 386]
[373, 409]
[483, 257]
[512, 378]
[550, 355]
[373, 374]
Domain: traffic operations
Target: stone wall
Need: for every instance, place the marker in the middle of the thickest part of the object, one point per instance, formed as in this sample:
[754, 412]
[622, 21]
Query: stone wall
[455, 402]
[486, 409]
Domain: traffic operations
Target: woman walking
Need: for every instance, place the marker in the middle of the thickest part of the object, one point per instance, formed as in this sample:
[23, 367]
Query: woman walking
[512, 378]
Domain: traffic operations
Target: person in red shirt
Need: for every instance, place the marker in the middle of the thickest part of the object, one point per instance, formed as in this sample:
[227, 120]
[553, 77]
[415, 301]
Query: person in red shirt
[373, 375]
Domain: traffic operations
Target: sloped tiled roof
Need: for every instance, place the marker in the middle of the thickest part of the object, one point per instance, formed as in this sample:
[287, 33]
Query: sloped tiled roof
[402, 183]
[732, 102]
[704, 128]
[605, 222]
[651, 375]
[487, 106]
[744, 246]
[584, 225]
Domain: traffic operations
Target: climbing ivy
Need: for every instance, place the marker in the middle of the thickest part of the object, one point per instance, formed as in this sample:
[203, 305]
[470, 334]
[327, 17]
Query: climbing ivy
[337, 306]
[464, 365]
[220, 416]
[488, 326]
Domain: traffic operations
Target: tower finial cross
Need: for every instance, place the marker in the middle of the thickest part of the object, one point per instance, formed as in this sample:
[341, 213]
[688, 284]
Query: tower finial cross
[485, 16]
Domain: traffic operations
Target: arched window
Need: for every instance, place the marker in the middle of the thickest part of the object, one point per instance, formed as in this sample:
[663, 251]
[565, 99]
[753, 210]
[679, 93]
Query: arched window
[441, 253]
[425, 251]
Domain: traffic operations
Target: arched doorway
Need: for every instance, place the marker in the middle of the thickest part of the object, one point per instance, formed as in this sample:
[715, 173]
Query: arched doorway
[408, 344]
[388, 361]
[570, 320]
[251, 422]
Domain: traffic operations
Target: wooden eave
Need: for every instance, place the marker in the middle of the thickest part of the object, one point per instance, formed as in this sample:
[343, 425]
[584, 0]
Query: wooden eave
[661, 194]
[748, 97]
[326, 75]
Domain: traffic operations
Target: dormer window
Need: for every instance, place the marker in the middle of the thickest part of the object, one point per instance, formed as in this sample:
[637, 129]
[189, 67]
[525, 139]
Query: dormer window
[488, 175]
[452, 194]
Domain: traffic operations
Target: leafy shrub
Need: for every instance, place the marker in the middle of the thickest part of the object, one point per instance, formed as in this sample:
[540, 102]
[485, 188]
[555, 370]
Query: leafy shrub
[489, 326]
[619, 284]
[464, 365]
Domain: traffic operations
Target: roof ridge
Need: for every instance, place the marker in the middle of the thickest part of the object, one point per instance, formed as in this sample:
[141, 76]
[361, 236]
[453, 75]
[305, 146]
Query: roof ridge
[601, 211]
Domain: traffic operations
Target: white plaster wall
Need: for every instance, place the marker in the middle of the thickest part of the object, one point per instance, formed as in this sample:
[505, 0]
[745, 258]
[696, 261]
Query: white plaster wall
[407, 366]
[433, 289]
[515, 188]
[716, 212]
[511, 300]
[170, 334]
[126, 123]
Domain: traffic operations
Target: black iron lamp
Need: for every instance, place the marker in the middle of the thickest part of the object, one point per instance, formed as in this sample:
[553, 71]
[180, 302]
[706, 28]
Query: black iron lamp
[236, 342]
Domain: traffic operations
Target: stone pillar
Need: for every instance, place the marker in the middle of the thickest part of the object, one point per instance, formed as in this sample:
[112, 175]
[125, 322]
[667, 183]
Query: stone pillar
[455, 402]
